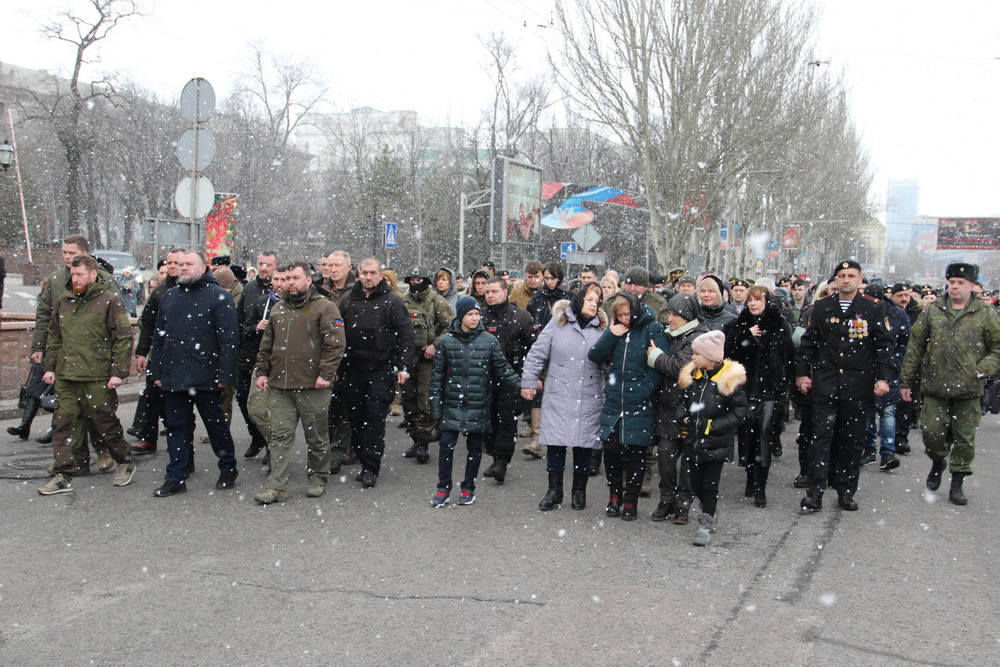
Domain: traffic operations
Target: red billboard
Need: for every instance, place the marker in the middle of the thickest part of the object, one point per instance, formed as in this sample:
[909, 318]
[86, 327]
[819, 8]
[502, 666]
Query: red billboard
[968, 234]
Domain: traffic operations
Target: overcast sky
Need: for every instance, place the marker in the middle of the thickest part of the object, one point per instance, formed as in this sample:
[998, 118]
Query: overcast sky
[923, 82]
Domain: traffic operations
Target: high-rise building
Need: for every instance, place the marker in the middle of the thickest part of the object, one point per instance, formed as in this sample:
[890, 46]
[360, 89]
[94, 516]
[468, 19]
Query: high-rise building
[901, 214]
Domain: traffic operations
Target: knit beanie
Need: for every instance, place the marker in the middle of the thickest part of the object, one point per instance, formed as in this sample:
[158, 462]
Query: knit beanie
[711, 345]
[464, 305]
[636, 275]
[684, 305]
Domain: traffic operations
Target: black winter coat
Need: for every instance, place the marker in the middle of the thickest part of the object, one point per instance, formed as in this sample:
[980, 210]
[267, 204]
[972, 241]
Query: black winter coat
[246, 310]
[466, 366]
[714, 404]
[670, 364]
[379, 330]
[515, 330]
[147, 320]
[197, 335]
[769, 360]
[540, 306]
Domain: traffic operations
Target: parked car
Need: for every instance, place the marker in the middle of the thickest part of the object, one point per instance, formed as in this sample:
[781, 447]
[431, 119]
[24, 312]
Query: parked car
[119, 260]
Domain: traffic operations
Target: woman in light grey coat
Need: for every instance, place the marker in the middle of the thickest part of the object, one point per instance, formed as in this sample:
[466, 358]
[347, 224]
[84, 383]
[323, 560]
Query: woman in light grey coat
[574, 390]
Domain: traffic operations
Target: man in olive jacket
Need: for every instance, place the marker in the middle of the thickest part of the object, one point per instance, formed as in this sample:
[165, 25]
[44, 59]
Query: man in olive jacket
[954, 346]
[297, 363]
[87, 356]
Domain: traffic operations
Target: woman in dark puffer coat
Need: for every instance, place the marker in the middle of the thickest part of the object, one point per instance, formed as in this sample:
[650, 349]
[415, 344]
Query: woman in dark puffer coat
[761, 340]
[628, 419]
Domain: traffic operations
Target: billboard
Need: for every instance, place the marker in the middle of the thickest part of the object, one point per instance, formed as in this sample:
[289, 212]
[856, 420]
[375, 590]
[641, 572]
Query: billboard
[219, 226]
[516, 210]
[968, 234]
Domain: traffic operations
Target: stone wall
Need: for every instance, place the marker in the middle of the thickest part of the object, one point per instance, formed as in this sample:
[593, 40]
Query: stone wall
[15, 347]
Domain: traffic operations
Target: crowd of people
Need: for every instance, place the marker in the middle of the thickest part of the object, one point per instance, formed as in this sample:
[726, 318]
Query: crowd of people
[679, 373]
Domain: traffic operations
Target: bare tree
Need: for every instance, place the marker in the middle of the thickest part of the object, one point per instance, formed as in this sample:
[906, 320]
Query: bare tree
[66, 109]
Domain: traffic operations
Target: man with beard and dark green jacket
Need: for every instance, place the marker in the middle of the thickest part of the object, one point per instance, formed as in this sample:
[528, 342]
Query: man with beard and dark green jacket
[87, 357]
[297, 362]
[431, 315]
[954, 346]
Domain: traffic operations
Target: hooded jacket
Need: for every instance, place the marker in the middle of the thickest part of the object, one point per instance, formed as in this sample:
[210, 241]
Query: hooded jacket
[51, 291]
[431, 316]
[304, 340]
[632, 387]
[197, 337]
[90, 338]
[947, 350]
[451, 294]
[466, 366]
[714, 405]
[574, 385]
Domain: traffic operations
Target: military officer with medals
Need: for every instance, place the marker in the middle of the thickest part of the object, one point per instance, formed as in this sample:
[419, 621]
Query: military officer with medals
[845, 360]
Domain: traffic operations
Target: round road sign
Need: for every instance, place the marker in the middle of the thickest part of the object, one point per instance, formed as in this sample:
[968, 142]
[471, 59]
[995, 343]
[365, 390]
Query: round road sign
[197, 100]
[194, 196]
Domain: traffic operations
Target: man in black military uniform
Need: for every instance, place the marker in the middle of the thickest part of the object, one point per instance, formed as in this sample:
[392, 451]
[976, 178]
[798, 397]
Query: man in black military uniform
[431, 316]
[516, 330]
[844, 361]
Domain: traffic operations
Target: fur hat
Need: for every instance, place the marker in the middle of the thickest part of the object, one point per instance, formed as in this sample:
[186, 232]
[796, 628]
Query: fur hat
[711, 345]
[969, 272]
[464, 305]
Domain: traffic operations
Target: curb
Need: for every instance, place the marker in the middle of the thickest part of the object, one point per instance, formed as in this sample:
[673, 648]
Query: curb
[127, 393]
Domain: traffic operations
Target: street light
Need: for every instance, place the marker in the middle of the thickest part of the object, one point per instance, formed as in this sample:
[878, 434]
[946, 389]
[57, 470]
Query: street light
[6, 155]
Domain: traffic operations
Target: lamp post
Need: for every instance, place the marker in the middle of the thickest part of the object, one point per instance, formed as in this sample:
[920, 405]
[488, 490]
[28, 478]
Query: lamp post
[8, 150]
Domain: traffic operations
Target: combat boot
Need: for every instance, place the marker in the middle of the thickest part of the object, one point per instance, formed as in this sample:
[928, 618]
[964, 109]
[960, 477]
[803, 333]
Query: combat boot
[956, 495]
[934, 478]
[497, 470]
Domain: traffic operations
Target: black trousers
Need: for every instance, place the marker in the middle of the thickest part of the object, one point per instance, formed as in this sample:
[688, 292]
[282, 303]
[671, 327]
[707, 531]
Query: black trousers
[503, 434]
[629, 460]
[705, 483]
[367, 396]
[243, 381]
[838, 442]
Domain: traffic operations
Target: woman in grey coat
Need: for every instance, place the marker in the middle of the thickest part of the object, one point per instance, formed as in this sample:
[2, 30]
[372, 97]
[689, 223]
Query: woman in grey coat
[574, 390]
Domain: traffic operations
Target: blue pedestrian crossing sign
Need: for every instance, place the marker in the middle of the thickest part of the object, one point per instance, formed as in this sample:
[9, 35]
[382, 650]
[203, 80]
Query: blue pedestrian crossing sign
[565, 248]
[390, 235]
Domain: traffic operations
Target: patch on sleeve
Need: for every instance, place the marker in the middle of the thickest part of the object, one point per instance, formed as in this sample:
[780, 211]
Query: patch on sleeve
[338, 322]
[536, 327]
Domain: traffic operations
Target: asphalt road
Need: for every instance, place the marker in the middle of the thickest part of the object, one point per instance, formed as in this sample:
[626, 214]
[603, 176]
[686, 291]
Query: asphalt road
[377, 576]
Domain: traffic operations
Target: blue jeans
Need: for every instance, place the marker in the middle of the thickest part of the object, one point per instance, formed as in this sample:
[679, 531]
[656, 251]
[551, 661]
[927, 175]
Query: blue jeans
[885, 430]
[474, 441]
[180, 430]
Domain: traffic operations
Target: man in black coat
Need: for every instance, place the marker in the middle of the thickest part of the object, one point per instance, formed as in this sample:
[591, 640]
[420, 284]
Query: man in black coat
[516, 331]
[248, 315]
[379, 347]
[147, 421]
[193, 357]
[845, 360]
[907, 412]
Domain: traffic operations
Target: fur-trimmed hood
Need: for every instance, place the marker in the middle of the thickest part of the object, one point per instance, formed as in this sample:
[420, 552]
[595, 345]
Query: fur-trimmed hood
[561, 317]
[729, 378]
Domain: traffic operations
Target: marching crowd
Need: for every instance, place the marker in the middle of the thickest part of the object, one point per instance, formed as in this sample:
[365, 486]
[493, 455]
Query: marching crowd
[680, 374]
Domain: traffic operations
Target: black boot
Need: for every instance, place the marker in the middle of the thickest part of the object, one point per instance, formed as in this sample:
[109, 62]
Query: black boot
[934, 478]
[760, 482]
[555, 494]
[956, 495]
[31, 406]
[497, 470]
[748, 491]
[45, 438]
[579, 491]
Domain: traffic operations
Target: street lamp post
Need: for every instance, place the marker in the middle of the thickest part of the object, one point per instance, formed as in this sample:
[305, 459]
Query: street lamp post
[8, 157]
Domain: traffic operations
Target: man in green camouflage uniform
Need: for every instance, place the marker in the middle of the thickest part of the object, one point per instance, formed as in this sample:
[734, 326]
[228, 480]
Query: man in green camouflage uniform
[431, 315]
[954, 346]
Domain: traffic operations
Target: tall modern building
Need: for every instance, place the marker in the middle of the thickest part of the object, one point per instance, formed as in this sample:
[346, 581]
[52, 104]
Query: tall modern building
[901, 214]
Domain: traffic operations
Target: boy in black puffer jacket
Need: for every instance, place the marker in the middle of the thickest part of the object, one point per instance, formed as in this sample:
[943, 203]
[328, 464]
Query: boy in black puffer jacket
[467, 363]
[713, 406]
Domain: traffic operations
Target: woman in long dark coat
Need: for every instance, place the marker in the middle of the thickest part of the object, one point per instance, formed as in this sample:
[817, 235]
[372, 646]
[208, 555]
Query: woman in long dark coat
[761, 340]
